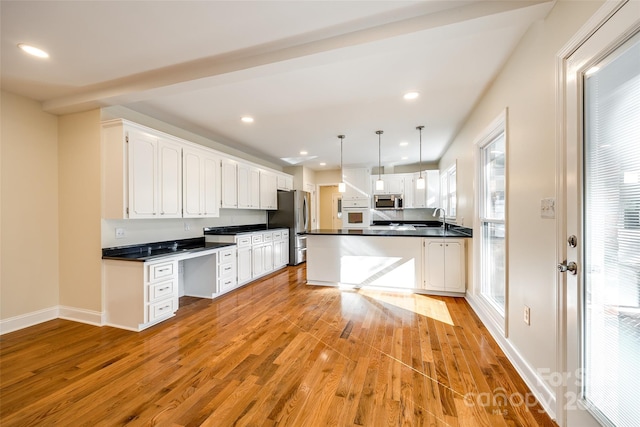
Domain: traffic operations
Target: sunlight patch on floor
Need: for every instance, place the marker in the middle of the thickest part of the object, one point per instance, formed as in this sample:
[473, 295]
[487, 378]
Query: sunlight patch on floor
[419, 304]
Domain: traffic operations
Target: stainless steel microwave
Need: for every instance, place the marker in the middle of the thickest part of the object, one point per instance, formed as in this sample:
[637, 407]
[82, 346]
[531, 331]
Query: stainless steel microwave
[388, 201]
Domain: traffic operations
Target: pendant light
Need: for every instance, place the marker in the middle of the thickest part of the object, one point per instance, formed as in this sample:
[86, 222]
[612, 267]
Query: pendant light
[379, 182]
[420, 184]
[341, 186]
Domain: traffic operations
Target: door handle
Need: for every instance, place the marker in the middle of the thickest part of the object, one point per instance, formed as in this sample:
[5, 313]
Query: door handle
[571, 267]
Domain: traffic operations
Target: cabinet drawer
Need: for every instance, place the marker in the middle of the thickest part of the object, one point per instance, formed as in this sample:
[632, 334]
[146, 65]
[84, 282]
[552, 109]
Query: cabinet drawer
[228, 283]
[285, 234]
[162, 309]
[256, 238]
[228, 255]
[243, 240]
[277, 235]
[161, 290]
[267, 237]
[227, 270]
[161, 271]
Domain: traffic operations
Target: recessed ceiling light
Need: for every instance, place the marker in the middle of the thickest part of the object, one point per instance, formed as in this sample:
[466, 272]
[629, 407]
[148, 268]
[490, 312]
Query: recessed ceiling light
[303, 153]
[323, 164]
[247, 119]
[404, 144]
[32, 50]
[411, 95]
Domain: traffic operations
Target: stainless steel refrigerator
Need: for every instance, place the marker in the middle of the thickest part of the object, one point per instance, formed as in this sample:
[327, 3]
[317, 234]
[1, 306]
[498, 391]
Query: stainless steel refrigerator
[294, 212]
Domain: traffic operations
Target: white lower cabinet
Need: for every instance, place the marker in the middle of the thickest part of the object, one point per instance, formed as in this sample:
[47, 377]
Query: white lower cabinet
[227, 277]
[209, 276]
[140, 294]
[261, 254]
[258, 253]
[243, 266]
[280, 248]
[416, 264]
[444, 265]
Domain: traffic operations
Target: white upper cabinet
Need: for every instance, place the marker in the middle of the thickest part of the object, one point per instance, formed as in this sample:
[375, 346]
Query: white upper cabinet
[412, 196]
[142, 172]
[229, 185]
[248, 187]
[245, 186]
[200, 182]
[393, 184]
[357, 183]
[285, 182]
[433, 189]
[170, 180]
[416, 198]
[150, 174]
[268, 190]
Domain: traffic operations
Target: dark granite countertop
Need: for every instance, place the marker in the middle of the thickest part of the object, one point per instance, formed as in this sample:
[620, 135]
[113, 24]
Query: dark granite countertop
[150, 251]
[415, 223]
[238, 229]
[452, 232]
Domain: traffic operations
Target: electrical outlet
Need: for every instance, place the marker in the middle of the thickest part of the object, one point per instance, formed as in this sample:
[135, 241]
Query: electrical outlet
[187, 227]
[120, 233]
[527, 315]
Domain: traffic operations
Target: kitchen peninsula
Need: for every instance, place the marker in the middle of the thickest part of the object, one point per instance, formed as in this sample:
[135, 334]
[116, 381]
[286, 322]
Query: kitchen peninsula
[419, 259]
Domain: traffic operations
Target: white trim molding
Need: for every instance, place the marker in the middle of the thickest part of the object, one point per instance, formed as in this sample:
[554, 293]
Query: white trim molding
[498, 125]
[26, 320]
[22, 321]
[81, 315]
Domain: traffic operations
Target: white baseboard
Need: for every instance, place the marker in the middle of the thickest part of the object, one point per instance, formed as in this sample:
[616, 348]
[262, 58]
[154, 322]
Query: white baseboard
[90, 317]
[22, 321]
[529, 374]
[25, 320]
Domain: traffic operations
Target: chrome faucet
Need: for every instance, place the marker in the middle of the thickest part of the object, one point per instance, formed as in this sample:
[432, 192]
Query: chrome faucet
[443, 215]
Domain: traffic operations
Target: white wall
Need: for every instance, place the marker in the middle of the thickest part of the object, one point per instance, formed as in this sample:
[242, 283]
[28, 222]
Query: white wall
[29, 207]
[157, 230]
[79, 224]
[526, 86]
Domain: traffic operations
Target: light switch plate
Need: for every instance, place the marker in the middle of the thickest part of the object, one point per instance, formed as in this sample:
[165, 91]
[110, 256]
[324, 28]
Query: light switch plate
[548, 208]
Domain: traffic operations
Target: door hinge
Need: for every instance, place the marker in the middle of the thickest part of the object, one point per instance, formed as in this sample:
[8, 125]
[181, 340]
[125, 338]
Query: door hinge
[126, 139]
[127, 210]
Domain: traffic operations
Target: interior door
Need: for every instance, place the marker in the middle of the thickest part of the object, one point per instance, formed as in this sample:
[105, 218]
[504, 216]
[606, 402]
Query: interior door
[600, 271]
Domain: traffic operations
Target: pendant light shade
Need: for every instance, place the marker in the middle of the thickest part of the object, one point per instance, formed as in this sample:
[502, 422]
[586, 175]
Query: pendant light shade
[379, 182]
[341, 186]
[420, 182]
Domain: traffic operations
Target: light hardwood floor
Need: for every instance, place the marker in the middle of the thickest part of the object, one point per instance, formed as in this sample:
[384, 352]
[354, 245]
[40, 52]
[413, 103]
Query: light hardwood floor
[276, 352]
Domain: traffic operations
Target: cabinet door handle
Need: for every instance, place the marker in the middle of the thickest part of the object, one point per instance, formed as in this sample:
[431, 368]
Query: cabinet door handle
[162, 270]
[164, 289]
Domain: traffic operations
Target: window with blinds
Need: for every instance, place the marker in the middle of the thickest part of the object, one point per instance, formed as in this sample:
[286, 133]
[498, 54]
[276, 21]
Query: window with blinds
[611, 283]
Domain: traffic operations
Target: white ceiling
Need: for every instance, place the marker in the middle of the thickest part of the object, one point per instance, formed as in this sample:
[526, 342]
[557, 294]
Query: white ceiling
[305, 70]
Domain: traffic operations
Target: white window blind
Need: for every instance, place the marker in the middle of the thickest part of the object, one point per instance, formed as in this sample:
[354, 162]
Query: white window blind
[611, 284]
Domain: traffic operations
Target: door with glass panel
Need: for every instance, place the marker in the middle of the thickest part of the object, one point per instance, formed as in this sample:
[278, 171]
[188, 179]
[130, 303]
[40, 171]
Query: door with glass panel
[601, 266]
